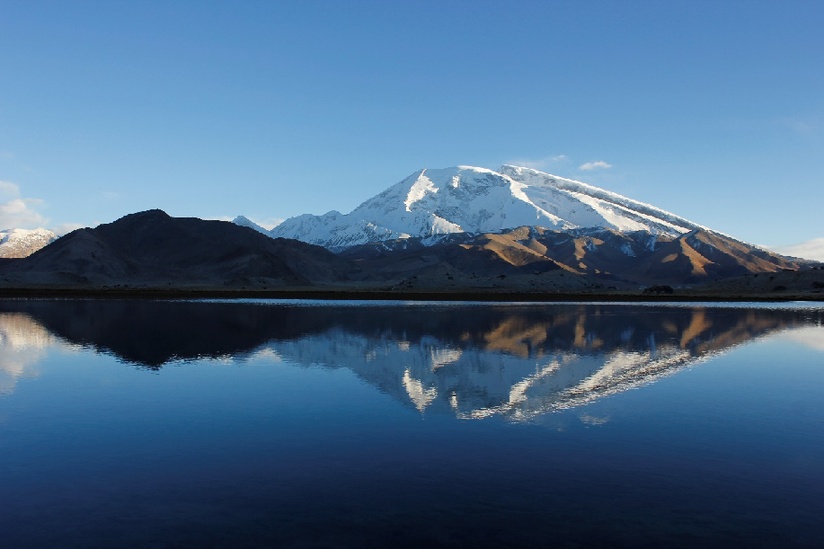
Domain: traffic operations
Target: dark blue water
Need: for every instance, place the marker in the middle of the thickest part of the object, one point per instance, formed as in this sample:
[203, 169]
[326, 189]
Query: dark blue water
[278, 424]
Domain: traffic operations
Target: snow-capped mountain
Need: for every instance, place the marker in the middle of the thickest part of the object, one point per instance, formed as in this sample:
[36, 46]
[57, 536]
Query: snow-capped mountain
[244, 221]
[17, 243]
[436, 202]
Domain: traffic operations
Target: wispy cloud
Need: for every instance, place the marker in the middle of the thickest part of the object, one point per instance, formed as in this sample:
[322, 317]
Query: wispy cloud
[6, 155]
[18, 212]
[596, 165]
[9, 189]
[269, 223]
[803, 125]
[21, 213]
[66, 228]
[811, 249]
[540, 163]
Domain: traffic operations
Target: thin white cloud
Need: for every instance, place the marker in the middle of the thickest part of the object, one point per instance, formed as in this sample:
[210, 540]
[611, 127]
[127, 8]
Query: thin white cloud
[6, 155]
[540, 163]
[9, 189]
[66, 228]
[811, 249]
[802, 125]
[18, 212]
[269, 223]
[596, 165]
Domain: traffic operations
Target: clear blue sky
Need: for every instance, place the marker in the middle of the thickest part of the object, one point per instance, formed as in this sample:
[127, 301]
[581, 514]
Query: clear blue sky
[713, 110]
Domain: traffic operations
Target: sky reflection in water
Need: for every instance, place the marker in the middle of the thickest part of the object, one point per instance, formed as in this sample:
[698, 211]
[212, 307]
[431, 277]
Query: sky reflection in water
[254, 424]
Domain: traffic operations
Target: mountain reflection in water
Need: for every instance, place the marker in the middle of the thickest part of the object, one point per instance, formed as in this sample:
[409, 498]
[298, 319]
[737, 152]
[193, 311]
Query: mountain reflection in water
[472, 361]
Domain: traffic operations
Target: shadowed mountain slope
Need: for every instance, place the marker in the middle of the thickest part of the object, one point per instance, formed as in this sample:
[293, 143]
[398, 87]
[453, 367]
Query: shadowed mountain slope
[151, 249]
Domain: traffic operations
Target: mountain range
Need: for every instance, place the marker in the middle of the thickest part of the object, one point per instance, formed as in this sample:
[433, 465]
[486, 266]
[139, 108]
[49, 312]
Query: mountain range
[455, 229]
[541, 259]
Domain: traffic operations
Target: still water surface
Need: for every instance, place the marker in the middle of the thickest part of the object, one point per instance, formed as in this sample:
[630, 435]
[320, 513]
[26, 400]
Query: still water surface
[317, 424]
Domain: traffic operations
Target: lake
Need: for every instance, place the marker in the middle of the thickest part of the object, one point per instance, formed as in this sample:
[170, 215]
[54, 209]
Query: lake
[271, 423]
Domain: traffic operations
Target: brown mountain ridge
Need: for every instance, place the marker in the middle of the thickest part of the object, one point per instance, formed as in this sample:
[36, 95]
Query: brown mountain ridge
[540, 258]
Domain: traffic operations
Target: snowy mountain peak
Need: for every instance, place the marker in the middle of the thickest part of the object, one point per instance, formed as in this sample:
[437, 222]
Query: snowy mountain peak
[244, 221]
[432, 203]
[18, 243]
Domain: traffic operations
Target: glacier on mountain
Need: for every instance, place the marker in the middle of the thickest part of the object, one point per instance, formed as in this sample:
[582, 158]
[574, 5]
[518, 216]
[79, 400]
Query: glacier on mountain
[432, 203]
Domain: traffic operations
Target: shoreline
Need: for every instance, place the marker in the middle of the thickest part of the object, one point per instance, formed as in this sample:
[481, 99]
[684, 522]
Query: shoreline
[341, 294]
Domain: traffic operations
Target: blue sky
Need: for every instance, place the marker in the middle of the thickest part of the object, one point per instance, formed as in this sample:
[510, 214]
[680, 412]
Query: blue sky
[712, 110]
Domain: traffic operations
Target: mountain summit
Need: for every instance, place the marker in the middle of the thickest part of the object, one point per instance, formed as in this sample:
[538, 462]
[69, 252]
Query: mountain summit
[17, 243]
[432, 203]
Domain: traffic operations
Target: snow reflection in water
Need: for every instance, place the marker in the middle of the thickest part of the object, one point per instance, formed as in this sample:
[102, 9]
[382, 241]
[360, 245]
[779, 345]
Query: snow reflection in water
[190, 424]
[517, 361]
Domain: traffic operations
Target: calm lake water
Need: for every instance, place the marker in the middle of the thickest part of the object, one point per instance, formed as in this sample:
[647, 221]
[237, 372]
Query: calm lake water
[319, 424]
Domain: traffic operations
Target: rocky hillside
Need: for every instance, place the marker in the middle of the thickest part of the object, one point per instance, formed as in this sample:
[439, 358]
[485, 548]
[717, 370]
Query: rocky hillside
[543, 259]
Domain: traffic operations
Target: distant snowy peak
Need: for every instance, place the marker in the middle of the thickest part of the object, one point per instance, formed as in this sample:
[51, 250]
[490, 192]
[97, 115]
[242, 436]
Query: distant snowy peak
[432, 203]
[18, 243]
[244, 221]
